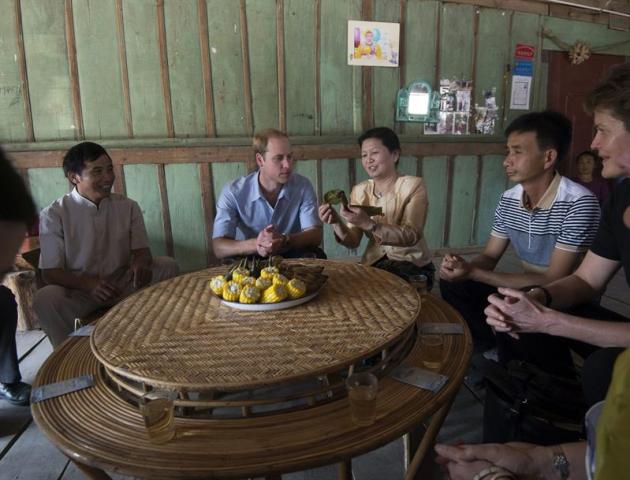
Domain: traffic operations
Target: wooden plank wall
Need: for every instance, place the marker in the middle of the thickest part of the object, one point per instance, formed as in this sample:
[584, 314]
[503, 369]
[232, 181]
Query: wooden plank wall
[177, 188]
[157, 81]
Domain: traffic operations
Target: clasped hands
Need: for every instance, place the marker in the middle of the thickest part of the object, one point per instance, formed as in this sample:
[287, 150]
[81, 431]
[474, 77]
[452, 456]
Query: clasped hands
[104, 290]
[269, 241]
[462, 462]
[511, 311]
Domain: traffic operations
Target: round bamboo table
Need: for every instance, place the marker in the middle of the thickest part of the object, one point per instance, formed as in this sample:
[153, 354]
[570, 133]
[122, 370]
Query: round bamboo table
[100, 429]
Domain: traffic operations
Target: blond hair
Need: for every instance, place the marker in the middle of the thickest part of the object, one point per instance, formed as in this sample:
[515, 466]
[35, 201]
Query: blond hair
[260, 141]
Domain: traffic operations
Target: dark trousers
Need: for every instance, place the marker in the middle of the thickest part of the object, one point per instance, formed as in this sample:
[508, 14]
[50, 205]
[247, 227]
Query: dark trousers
[9, 370]
[406, 270]
[470, 298]
[553, 354]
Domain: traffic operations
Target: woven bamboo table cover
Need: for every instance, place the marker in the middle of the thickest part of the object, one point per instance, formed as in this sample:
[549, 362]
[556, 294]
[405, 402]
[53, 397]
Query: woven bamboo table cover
[176, 334]
[96, 427]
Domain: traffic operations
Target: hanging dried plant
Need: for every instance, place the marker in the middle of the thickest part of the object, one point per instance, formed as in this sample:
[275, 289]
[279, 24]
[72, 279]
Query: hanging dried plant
[579, 53]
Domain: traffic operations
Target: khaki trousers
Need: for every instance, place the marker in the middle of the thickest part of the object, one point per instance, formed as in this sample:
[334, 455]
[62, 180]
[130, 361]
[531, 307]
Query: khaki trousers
[57, 306]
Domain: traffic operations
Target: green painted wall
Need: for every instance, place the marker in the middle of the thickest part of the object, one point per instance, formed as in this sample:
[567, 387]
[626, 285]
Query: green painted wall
[322, 95]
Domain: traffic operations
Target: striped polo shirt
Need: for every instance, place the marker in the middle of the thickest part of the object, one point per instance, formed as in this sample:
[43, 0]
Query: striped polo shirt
[566, 217]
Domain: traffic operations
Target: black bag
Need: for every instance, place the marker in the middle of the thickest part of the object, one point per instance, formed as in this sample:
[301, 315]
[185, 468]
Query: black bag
[523, 403]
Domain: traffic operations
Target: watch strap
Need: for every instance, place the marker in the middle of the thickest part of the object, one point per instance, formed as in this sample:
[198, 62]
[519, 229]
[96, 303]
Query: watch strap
[547, 301]
[560, 463]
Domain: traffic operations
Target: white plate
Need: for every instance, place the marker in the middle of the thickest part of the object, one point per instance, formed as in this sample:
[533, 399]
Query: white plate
[265, 307]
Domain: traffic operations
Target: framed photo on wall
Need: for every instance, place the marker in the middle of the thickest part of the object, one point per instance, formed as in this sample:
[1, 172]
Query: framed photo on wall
[373, 43]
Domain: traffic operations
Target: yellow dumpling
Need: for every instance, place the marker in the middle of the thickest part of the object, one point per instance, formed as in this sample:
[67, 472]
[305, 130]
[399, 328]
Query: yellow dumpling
[279, 279]
[239, 274]
[274, 294]
[296, 288]
[231, 291]
[249, 294]
[263, 283]
[217, 283]
[269, 272]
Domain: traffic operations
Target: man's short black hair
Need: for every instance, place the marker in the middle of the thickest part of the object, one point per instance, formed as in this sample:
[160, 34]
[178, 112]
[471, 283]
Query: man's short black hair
[75, 158]
[552, 129]
[385, 135]
[16, 204]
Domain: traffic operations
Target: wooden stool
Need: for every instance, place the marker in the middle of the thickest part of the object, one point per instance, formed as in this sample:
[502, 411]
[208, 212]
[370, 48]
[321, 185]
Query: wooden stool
[23, 284]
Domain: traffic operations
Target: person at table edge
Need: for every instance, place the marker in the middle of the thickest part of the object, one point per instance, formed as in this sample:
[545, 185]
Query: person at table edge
[271, 211]
[396, 241]
[94, 246]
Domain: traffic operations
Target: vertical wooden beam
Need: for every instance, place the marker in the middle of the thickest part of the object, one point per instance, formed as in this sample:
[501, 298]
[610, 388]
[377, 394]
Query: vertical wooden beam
[438, 33]
[71, 46]
[419, 165]
[352, 173]
[247, 85]
[282, 98]
[208, 206]
[21, 60]
[122, 58]
[318, 57]
[318, 180]
[399, 127]
[475, 49]
[368, 108]
[475, 215]
[120, 187]
[164, 71]
[506, 74]
[204, 44]
[402, 64]
[450, 161]
[166, 214]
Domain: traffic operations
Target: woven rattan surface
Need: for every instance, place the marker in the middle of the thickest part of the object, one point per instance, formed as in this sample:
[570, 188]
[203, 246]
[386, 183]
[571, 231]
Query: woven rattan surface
[96, 427]
[176, 334]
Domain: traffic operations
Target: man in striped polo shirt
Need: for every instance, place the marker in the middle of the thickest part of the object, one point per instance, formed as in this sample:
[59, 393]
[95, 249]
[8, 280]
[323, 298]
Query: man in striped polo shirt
[549, 220]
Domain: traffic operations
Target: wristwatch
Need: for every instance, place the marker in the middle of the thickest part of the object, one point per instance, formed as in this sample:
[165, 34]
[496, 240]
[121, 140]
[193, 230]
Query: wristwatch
[547, 301]
[286, 240]
[560, 464]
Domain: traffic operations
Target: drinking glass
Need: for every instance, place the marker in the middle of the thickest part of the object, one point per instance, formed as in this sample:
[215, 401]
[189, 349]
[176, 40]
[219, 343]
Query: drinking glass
[362, 389]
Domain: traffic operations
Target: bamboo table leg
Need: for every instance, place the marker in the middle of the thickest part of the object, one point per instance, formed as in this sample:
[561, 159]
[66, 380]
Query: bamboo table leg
[427, 439]
[91, 472]
[345, 470]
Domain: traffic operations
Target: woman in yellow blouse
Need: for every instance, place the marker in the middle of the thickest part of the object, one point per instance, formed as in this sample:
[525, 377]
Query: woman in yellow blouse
[396, 238]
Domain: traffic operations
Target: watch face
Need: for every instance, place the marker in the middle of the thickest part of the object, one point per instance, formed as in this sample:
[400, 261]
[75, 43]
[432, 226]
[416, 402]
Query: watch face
[561, 465]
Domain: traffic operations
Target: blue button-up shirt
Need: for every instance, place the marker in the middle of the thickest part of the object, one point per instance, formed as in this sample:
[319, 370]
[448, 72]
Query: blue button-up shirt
[243, 211]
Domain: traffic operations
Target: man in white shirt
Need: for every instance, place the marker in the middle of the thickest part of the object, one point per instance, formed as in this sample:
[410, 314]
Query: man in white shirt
[94, 246]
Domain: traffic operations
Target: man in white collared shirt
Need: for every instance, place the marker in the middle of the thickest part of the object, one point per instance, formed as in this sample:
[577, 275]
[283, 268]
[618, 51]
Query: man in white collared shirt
[94, 246]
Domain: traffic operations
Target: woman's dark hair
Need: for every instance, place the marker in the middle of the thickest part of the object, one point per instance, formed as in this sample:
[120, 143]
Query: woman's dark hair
[16, 204]
[75, 158]
[385, 135]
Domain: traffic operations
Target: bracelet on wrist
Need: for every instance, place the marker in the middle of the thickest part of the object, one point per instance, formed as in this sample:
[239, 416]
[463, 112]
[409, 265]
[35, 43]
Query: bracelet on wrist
[494, 473]
[560, 463]
[547, 296]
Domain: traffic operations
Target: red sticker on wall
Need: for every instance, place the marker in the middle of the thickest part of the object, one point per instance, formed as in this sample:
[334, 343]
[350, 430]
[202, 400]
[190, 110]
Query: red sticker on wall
[524, 52]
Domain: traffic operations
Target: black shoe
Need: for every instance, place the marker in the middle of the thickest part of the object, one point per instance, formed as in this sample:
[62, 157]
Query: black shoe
[18, 393]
